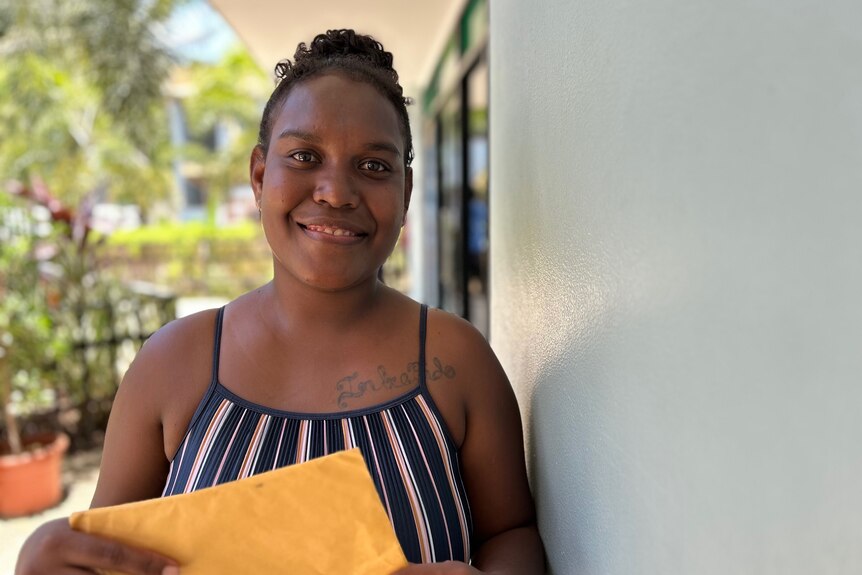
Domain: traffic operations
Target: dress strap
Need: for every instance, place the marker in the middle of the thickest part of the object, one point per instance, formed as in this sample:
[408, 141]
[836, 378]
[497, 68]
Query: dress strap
[202, 404]
[423, 324]
[217, 344]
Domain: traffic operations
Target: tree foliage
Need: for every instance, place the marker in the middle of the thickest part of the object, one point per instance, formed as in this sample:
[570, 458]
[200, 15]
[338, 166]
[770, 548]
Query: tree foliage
[80, 97]
[84, 89]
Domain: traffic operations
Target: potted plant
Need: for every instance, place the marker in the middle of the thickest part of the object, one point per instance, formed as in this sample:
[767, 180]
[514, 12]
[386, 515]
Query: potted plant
[30, 463]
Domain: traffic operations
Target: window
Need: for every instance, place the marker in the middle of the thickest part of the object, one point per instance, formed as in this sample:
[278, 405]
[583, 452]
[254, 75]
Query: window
[456, 108]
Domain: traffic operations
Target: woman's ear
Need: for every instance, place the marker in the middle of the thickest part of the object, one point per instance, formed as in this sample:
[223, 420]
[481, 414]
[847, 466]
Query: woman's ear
[256, 168]
[408, 192]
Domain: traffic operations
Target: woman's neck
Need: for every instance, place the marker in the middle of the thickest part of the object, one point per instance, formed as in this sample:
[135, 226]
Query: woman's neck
[288, 304]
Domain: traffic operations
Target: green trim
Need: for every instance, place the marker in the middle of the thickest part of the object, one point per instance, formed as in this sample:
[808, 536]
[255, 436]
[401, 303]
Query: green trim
[433, 88]
[472, 27]
[473, 23]
[449, 54]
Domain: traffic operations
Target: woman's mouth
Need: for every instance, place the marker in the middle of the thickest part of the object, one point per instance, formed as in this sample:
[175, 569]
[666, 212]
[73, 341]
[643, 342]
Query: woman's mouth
[332, 231]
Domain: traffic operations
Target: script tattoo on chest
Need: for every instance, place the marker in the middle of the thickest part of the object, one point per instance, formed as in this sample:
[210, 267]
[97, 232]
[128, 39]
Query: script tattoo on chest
[352, 386]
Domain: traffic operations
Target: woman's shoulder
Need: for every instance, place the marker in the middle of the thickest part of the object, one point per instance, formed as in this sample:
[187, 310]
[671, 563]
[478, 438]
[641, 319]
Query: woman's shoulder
[172, 372]
[448, 337]
[456, 337]
[175, 362]
[461, 370]
[445, 332]
[153, 404]
[177, 344]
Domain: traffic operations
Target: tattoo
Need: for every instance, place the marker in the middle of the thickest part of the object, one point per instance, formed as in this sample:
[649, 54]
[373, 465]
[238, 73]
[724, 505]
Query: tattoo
[352, 387]
[440, 370]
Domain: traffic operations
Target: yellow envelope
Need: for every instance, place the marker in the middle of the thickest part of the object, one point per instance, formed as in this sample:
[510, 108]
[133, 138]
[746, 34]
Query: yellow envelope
[321, 517]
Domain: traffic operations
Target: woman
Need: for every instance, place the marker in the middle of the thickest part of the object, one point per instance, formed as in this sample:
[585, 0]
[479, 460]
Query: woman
[325, 356]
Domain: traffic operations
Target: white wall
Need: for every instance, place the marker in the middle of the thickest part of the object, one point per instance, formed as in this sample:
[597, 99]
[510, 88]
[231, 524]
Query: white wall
[677, 278]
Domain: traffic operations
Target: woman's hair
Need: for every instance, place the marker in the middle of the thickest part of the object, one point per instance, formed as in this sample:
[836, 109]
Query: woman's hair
[360, 58]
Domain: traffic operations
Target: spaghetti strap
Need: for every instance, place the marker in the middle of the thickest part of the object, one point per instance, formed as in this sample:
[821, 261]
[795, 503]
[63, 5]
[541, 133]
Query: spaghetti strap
[208, 394]
[217, 344]
[423, 325]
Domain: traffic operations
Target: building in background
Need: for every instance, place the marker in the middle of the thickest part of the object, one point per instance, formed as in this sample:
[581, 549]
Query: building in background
[196, 34]
[673, 198]
[455, 183]
[192, 179]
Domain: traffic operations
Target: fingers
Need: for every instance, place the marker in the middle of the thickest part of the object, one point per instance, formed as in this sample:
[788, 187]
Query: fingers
[445, 568]
[103, 554]
[98, 553]
[57, 548]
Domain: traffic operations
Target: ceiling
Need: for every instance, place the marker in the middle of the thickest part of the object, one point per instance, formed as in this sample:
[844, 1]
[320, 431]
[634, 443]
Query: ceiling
[415, 32]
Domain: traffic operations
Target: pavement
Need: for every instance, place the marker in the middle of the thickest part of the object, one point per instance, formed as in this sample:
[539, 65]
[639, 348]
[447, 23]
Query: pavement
[80, 472]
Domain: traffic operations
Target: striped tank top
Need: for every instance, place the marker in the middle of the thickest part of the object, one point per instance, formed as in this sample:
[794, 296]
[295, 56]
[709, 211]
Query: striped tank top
[405, 443]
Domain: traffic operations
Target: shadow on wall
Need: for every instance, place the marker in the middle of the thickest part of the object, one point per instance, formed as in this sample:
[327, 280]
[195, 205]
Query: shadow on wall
[558, 487]
[567, 447]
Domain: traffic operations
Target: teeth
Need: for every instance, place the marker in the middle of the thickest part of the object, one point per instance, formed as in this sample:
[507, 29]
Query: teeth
[331, 231]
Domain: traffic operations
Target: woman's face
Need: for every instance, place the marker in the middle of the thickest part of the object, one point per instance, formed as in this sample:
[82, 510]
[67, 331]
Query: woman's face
[333, 189]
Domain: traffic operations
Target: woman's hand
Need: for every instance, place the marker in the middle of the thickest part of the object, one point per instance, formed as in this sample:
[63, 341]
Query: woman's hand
[57, 548]
[445, 568]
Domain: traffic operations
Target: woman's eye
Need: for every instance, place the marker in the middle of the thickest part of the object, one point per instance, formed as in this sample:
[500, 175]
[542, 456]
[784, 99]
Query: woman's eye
[302, 156]
[374, 166]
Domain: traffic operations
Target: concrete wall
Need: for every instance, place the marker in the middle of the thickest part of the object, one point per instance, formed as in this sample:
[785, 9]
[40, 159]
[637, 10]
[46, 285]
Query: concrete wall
[677, 279]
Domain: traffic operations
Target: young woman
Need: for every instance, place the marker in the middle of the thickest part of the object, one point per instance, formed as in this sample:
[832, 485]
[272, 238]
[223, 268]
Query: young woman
[324, 357]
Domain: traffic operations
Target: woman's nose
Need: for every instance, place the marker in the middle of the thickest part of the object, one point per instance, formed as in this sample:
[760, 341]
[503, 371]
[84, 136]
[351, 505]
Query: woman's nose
[335, 187]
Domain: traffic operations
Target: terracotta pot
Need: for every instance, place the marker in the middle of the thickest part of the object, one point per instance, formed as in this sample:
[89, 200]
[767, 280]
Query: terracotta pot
[31, 481]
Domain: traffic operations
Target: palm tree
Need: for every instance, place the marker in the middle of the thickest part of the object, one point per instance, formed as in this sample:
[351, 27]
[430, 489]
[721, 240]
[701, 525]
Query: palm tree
[81, 97]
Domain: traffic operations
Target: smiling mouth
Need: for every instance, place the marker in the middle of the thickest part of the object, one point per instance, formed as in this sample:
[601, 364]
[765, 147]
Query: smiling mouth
[331, 231]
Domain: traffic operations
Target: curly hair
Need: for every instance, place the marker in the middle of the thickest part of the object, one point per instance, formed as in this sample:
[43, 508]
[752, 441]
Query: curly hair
[361, 58]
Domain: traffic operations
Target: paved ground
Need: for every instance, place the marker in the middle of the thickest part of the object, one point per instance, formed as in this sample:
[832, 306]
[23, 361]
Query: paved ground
[79, 474]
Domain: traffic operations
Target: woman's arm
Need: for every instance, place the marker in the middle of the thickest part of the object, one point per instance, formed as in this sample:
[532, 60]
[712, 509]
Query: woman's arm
[134, 464]
[495, 471]
[492, 459]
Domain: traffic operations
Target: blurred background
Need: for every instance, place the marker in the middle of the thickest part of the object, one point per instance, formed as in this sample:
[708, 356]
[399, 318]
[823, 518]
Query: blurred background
[125, 129]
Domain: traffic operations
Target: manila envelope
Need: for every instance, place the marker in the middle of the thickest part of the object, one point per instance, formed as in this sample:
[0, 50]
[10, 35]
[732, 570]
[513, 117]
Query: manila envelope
[321, 517]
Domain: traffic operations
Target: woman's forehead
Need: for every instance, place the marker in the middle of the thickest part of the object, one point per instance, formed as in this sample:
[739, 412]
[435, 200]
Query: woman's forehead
[333, 103]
